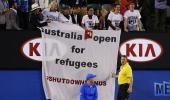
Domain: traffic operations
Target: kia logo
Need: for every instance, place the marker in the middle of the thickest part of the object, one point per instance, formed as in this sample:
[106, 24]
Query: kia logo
[52, 49]
[141, 49]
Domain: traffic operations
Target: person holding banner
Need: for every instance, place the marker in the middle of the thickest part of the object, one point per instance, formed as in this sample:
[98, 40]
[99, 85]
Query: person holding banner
[90, 21]
[115, 19]
[125, 79]
[88, 90]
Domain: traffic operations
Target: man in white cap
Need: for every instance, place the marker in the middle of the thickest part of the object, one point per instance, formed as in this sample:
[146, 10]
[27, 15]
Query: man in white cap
[36, 18]
[88, 90]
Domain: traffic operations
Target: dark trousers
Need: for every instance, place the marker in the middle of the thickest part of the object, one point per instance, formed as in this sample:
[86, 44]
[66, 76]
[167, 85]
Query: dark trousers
[122, 92]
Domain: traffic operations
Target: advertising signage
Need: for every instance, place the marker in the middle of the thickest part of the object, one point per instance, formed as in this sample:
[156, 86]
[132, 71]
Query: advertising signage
[145, 51]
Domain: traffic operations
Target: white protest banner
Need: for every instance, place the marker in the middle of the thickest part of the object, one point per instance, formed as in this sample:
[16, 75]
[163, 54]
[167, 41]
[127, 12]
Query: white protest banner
[68, 57]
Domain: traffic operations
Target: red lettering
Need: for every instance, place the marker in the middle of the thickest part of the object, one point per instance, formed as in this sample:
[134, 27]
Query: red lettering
[129, 50]
[33, 49]
[140, 50]
[150, 49]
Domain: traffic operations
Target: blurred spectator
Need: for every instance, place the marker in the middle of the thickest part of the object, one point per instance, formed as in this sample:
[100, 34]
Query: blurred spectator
[90, 21]
[67, 14]
[95, 4]
[72, 3]
[76, 17]
[36, 17]
[124, 5]
[12, 20]
[107, 4]
[42, 3]
[147, 12]
[52, 14]
[83, 11]
[132, 19]
[4, 8]
[24, 7]
[64, 3]
[115, 18]
[77, 3]
[103, 19]
[160, 15]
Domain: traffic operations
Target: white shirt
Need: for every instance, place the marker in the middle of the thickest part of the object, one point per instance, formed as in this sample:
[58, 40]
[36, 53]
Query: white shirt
[132, 18]
[115, 19]
[69, 20]
[90, 23]
[54, 16]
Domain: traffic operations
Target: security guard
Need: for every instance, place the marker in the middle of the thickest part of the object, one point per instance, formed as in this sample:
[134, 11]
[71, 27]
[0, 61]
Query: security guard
[125, 79]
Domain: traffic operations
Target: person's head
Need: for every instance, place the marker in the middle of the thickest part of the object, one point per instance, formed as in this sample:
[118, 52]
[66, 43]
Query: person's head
[90, 78]
[116, 8]
[123, 59]
[13, 5]
[83, 11]
[90, 10]
[35, 8]
[53, 5]
[76, 10]
[103, 12]
[66, 10]
[131, 6]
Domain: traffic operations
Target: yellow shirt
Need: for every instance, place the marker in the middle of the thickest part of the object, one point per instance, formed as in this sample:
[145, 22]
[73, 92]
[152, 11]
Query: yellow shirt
[125, 74]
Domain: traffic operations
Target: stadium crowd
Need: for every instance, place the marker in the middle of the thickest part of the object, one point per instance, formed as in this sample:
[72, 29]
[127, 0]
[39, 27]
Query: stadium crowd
[128, 15]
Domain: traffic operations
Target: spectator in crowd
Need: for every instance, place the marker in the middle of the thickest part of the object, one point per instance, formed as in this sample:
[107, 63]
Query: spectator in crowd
[4, 8]
[94, 3]
[67, 14]
[36, 17]
[103, 25]
[52, 14]
[147, 9]
[64, 3]
[88, 90]
[90, 21]
[115, 18]
[107, 4]
[24, 7]
[124, 5]
[132, 19]
[76, 17]
[77, 3]
[83, 11]
[160, 15]
[125, 79]
[12, 20]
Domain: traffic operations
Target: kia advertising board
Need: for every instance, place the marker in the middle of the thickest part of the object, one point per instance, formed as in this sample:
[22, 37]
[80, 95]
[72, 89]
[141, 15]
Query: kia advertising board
[11, 53]
[22, 50]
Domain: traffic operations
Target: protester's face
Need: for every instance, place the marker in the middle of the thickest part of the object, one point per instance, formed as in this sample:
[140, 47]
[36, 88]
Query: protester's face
[66, 12]
[76, 10]
[84, 10]
[123, 60]
[91, 11]
[131, 6]
[53, 6]
[117, 8]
